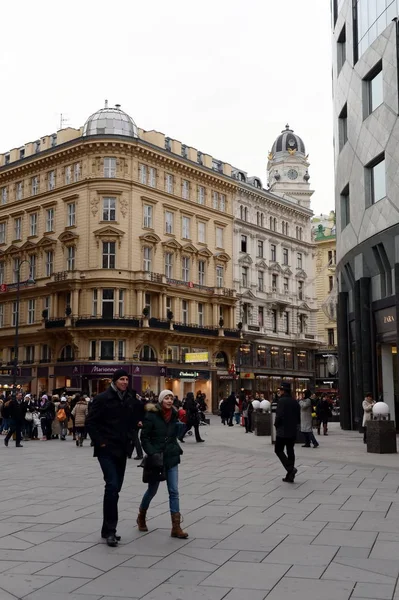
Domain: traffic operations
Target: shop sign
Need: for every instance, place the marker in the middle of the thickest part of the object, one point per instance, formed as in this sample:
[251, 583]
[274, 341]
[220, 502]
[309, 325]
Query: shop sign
[228, 377]
[386, 320]
[187, 374]
[196, 357]
[247, 375]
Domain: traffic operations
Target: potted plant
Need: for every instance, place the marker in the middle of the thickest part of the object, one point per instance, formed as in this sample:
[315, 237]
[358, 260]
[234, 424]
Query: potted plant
[68, 311]
[45, 314]
[221, 322]
[169, 315]
[146, 312]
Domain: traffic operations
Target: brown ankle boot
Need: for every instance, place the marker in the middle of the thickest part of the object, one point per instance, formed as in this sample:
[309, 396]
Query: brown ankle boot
[177, 531]
[142, 525]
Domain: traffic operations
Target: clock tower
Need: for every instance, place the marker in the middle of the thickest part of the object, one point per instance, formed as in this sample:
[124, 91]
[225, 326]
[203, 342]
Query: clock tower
[288, 168]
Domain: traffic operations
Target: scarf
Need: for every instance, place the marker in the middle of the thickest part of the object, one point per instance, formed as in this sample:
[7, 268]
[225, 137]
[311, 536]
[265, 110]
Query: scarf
[166, 413]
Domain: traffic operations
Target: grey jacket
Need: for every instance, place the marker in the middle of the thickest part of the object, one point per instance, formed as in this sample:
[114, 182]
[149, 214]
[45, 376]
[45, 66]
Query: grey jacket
[306, 415]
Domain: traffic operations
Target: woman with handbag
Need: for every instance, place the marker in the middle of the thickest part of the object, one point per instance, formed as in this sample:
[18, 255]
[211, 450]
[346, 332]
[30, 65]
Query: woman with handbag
[159, 442]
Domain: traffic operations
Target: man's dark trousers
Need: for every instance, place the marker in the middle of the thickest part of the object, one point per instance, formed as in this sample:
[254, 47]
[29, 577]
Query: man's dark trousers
[113, 468]
[16, 427]
[287, 460]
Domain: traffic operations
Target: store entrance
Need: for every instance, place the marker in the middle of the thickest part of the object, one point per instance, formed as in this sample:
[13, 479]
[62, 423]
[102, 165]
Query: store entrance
[96, 386]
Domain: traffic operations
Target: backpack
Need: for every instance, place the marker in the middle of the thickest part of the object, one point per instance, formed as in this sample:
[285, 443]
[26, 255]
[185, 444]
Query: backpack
[61, 415]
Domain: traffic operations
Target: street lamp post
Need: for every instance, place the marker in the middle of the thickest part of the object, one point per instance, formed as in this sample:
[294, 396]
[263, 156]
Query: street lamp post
[18, 296]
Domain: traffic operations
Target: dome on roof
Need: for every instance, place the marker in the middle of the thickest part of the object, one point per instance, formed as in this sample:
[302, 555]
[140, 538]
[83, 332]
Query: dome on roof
[110, 121]
[288, 141]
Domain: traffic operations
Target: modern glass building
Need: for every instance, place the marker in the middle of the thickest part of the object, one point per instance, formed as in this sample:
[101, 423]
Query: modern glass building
[366, 138]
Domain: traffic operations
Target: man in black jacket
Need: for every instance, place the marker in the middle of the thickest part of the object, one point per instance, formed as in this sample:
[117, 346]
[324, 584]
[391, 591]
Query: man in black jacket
[110, 423]
[288, 418]
[17, 410]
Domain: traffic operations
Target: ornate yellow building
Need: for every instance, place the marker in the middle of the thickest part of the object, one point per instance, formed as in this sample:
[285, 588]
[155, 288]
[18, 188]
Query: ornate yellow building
[324, 235]
[128, 236]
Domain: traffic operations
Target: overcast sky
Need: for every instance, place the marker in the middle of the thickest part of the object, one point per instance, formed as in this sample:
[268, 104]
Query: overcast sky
[223, 76]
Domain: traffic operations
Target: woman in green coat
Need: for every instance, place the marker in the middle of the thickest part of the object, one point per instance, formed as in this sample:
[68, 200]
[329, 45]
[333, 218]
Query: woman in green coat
[159, 437]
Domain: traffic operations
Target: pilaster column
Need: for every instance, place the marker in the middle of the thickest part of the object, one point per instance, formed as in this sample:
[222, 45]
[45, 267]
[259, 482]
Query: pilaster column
[215, 320]
[139, 302]
[54, 305]
[75, 302]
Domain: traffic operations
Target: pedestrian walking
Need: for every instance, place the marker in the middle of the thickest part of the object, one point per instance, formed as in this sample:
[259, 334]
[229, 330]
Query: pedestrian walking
[367, 405]
[55, 425]
[46, 410]
[193, 418]
[79, 413]
[110, 424]
[163, 457]
[62, 416]
[323, 412]
[245, 408]
[224, 411]
[286, 424]
[307, 420]
[232, 403]
[17, 411]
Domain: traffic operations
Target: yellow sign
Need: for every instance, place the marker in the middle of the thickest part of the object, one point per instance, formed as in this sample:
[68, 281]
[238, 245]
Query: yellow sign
[196, 357]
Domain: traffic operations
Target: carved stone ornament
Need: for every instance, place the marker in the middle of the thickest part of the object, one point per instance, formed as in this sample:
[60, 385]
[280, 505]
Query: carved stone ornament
[94, 202]
[123, 207]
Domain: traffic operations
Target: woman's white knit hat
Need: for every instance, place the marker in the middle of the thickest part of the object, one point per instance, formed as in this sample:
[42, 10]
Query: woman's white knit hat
[163, 395]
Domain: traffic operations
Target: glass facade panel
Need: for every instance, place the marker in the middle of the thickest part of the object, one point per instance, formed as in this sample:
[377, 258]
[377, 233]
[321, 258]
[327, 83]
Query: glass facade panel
[378, 182]
[373, 16]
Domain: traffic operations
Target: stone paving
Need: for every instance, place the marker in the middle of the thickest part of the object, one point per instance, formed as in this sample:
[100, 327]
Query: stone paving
[333, 535]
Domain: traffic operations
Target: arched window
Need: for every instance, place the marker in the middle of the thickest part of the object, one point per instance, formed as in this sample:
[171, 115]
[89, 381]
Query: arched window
[257, 218]
[67, 353]
[147, 353]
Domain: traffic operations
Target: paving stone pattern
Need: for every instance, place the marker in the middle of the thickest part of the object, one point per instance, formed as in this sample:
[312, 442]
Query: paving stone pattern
[333, 535]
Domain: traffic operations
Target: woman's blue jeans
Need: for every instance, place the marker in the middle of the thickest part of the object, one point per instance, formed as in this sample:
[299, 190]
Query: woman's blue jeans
[172, 481]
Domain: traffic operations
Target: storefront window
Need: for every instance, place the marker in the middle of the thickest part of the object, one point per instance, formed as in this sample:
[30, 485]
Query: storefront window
[245, 355]
[275, 357]
[261, 354]
[288, 358]
[302, 360]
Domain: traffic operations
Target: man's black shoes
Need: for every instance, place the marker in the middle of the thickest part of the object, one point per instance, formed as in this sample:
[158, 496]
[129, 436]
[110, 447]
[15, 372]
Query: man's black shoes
[290, 477]
[107, 537]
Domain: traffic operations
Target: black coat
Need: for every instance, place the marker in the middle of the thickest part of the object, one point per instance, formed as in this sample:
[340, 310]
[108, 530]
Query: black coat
[159, 436]
[323, 410]
[111, 421]
[17, 410]
[47, 411]
[191, 408]
[288, 417]
[138, 410]
[232, 402]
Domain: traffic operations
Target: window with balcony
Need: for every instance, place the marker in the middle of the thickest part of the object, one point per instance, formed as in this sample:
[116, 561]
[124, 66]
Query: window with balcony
[286, 322]
[49, 263]
[51, 180]
[108, 299]
[273, 254]
[244, 244]
[29, 354]
[219, 276]
[2, 233]
[108, 255]
[169, 183]
[201, 272]
[18, 228]
[107, 350]
[71, 214]
[45, 353]
[184, 311]
[274, 282]
[244, 276]
[71, 258]
[169, 265]
[50, 219]
[200, 307]
[147, 259]
[185, 263]
[31, 311]
[109, 209]
[261, 281]
[185, 226]
[109, 167]
[168, 221]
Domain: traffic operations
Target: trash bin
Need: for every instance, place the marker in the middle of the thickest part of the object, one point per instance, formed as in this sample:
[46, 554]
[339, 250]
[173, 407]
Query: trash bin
[381, 437]
[261, 423]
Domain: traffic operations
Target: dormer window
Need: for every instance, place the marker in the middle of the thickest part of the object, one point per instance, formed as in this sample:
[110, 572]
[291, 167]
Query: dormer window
[7, 159]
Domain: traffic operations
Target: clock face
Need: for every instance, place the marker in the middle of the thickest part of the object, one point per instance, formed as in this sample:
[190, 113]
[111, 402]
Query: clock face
[292, 174]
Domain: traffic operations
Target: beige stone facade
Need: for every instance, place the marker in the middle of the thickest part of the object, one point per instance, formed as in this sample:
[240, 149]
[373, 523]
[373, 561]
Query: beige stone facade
[110, 226]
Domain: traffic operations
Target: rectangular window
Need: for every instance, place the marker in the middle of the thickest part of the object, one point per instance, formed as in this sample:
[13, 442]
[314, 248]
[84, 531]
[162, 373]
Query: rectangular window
[274, 282]
[169, 184]
[35, 185]
[109, 167]
[108, 255]
[261, 281]
[121, 350]
[219, 237]
[45, 353]
[185, 227]
[121, 311]
[152, 177]
[94, 304]
[377, 180]
[286, 320]
[299, 260]
[93, 350]
[51, 180]
[261, 317]
[19, 192]
[106, 350]
[300, 290]
[286, 285]
[148, 215]
[341, 49]
[244, 276]
[14, 315]
[2, 233]
[219, 276]
[330, 336]
[71, 210]
[201, 272]
[222, 202]
[17, 228]
[31, 311]
[168, 303]
[215, 200]
[71, 258]
[185, 261]
[184, 311]
[143, 174]
[107, 310]
[330, 283]
[147, 303]
[32, 266]
[68, 174]
[200, 194]
[186, 189]
[4, 195]
[33, 224]
[29, 354]
[15, 269]
[147, 259]
[285, 256]
[200, 314]
[343, 127]
[274, 320]
[2, 271]
[273, 252]
[169, 265]
[201, 232]
[345, 207]
[168, 221]
[1, 315]
[244, 243]
[109, 209]
[374, 89]
[50, 219]
[260, 249]
[47, 305]
[76, 171]
[49, 263]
